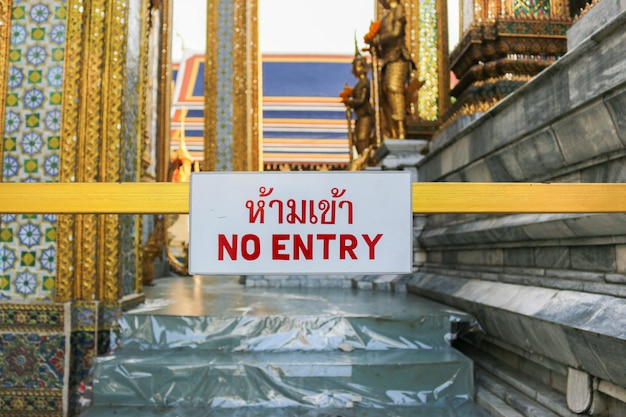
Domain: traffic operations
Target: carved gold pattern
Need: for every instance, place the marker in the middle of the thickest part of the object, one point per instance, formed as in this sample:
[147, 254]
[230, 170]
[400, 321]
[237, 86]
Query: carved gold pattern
[240, 104]
[443, 89]
[210, 90]
[90, 143]
[53, 396]
[559, 9]
[142, 128]
[164, 91]
[412, 28]
[71, 131]
[5, 27]
[253, 154]
[507, 10]
[110, 159]
[428, 65]
[412, 32]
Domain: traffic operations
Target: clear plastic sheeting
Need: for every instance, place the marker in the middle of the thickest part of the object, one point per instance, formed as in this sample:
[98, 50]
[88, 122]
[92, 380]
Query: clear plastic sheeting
[254, 333]
[453, 408]
[207, 347]
[220, 315]
[271, 379]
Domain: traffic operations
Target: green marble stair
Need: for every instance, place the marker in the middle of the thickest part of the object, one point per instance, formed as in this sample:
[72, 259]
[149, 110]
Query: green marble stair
[301, 353]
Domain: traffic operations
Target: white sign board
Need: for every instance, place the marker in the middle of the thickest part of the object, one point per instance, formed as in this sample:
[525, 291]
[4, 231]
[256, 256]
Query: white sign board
[300, 223]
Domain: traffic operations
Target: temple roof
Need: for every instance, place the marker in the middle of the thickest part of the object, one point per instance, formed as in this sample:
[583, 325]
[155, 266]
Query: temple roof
[304, 122]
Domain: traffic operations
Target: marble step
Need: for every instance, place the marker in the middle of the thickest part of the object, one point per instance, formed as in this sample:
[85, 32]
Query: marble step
[184, 377]
[461, 408]
[287, 333]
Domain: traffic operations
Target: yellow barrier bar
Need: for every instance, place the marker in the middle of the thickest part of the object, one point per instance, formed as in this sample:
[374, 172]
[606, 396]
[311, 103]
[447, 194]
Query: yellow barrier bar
[139, 198]
[444, 197]
[97, 198]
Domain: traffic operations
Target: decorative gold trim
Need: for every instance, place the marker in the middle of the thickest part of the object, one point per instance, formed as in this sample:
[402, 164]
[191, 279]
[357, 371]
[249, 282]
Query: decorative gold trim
[5, 36]
[42, 324]
[210, 87]
[164, 92]
[443, 90]
[71, 130]
[57, 395]
[412, 29]
[90, 145]
[254, 162]
[508, 8]
[240, 81]
[559, 10]
[142, 130]
[108, 268]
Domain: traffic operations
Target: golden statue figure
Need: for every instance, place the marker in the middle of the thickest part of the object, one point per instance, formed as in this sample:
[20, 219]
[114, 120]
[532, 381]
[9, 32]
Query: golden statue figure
[387, 42]
[362, 138]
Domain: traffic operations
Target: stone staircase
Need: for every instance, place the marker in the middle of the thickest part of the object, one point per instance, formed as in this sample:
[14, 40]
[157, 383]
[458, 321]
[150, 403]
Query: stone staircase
[354, 357]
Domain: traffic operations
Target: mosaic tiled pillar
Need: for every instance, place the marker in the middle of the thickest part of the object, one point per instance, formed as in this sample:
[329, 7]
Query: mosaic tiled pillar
[69, 99]
[33, 341]
[232, 86]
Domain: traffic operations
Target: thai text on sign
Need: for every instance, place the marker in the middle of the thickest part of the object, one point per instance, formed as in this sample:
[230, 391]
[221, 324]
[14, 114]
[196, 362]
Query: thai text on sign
[300, 223]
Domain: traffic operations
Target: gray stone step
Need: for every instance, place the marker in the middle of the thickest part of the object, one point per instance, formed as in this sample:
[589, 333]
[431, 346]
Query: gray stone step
[186, 377]
[527, 396]
[462, 408]
[284, 333]
[217, 313]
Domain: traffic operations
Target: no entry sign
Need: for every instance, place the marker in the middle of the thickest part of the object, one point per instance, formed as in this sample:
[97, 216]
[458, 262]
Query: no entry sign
[300, 223]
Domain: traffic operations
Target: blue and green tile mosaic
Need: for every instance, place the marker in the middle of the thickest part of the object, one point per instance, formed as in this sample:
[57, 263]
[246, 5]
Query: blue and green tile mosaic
[31, 144]
[31, 318]
[32, 361]
[224, 125]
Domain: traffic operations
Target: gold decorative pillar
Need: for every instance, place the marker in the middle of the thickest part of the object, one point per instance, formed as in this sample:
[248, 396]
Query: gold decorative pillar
[164, 94]
[231, 86]
[5, 35]
[92, 136]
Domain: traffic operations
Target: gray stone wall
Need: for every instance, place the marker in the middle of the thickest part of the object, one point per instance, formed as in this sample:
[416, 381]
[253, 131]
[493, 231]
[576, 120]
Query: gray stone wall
[549, 289]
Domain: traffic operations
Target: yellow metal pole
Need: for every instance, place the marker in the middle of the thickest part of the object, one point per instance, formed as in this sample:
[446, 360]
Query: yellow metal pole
[439, 197]
[94, 198]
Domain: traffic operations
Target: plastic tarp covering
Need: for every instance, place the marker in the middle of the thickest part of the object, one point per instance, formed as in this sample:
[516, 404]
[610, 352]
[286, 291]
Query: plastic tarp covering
[453, 408]
[283, 379]
[254, 333]
[287, 353]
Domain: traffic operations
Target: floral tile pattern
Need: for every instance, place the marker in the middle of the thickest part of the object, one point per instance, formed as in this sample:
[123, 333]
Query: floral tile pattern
[32, 361]
[31, 144]
[31, 318]
[32, 403]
